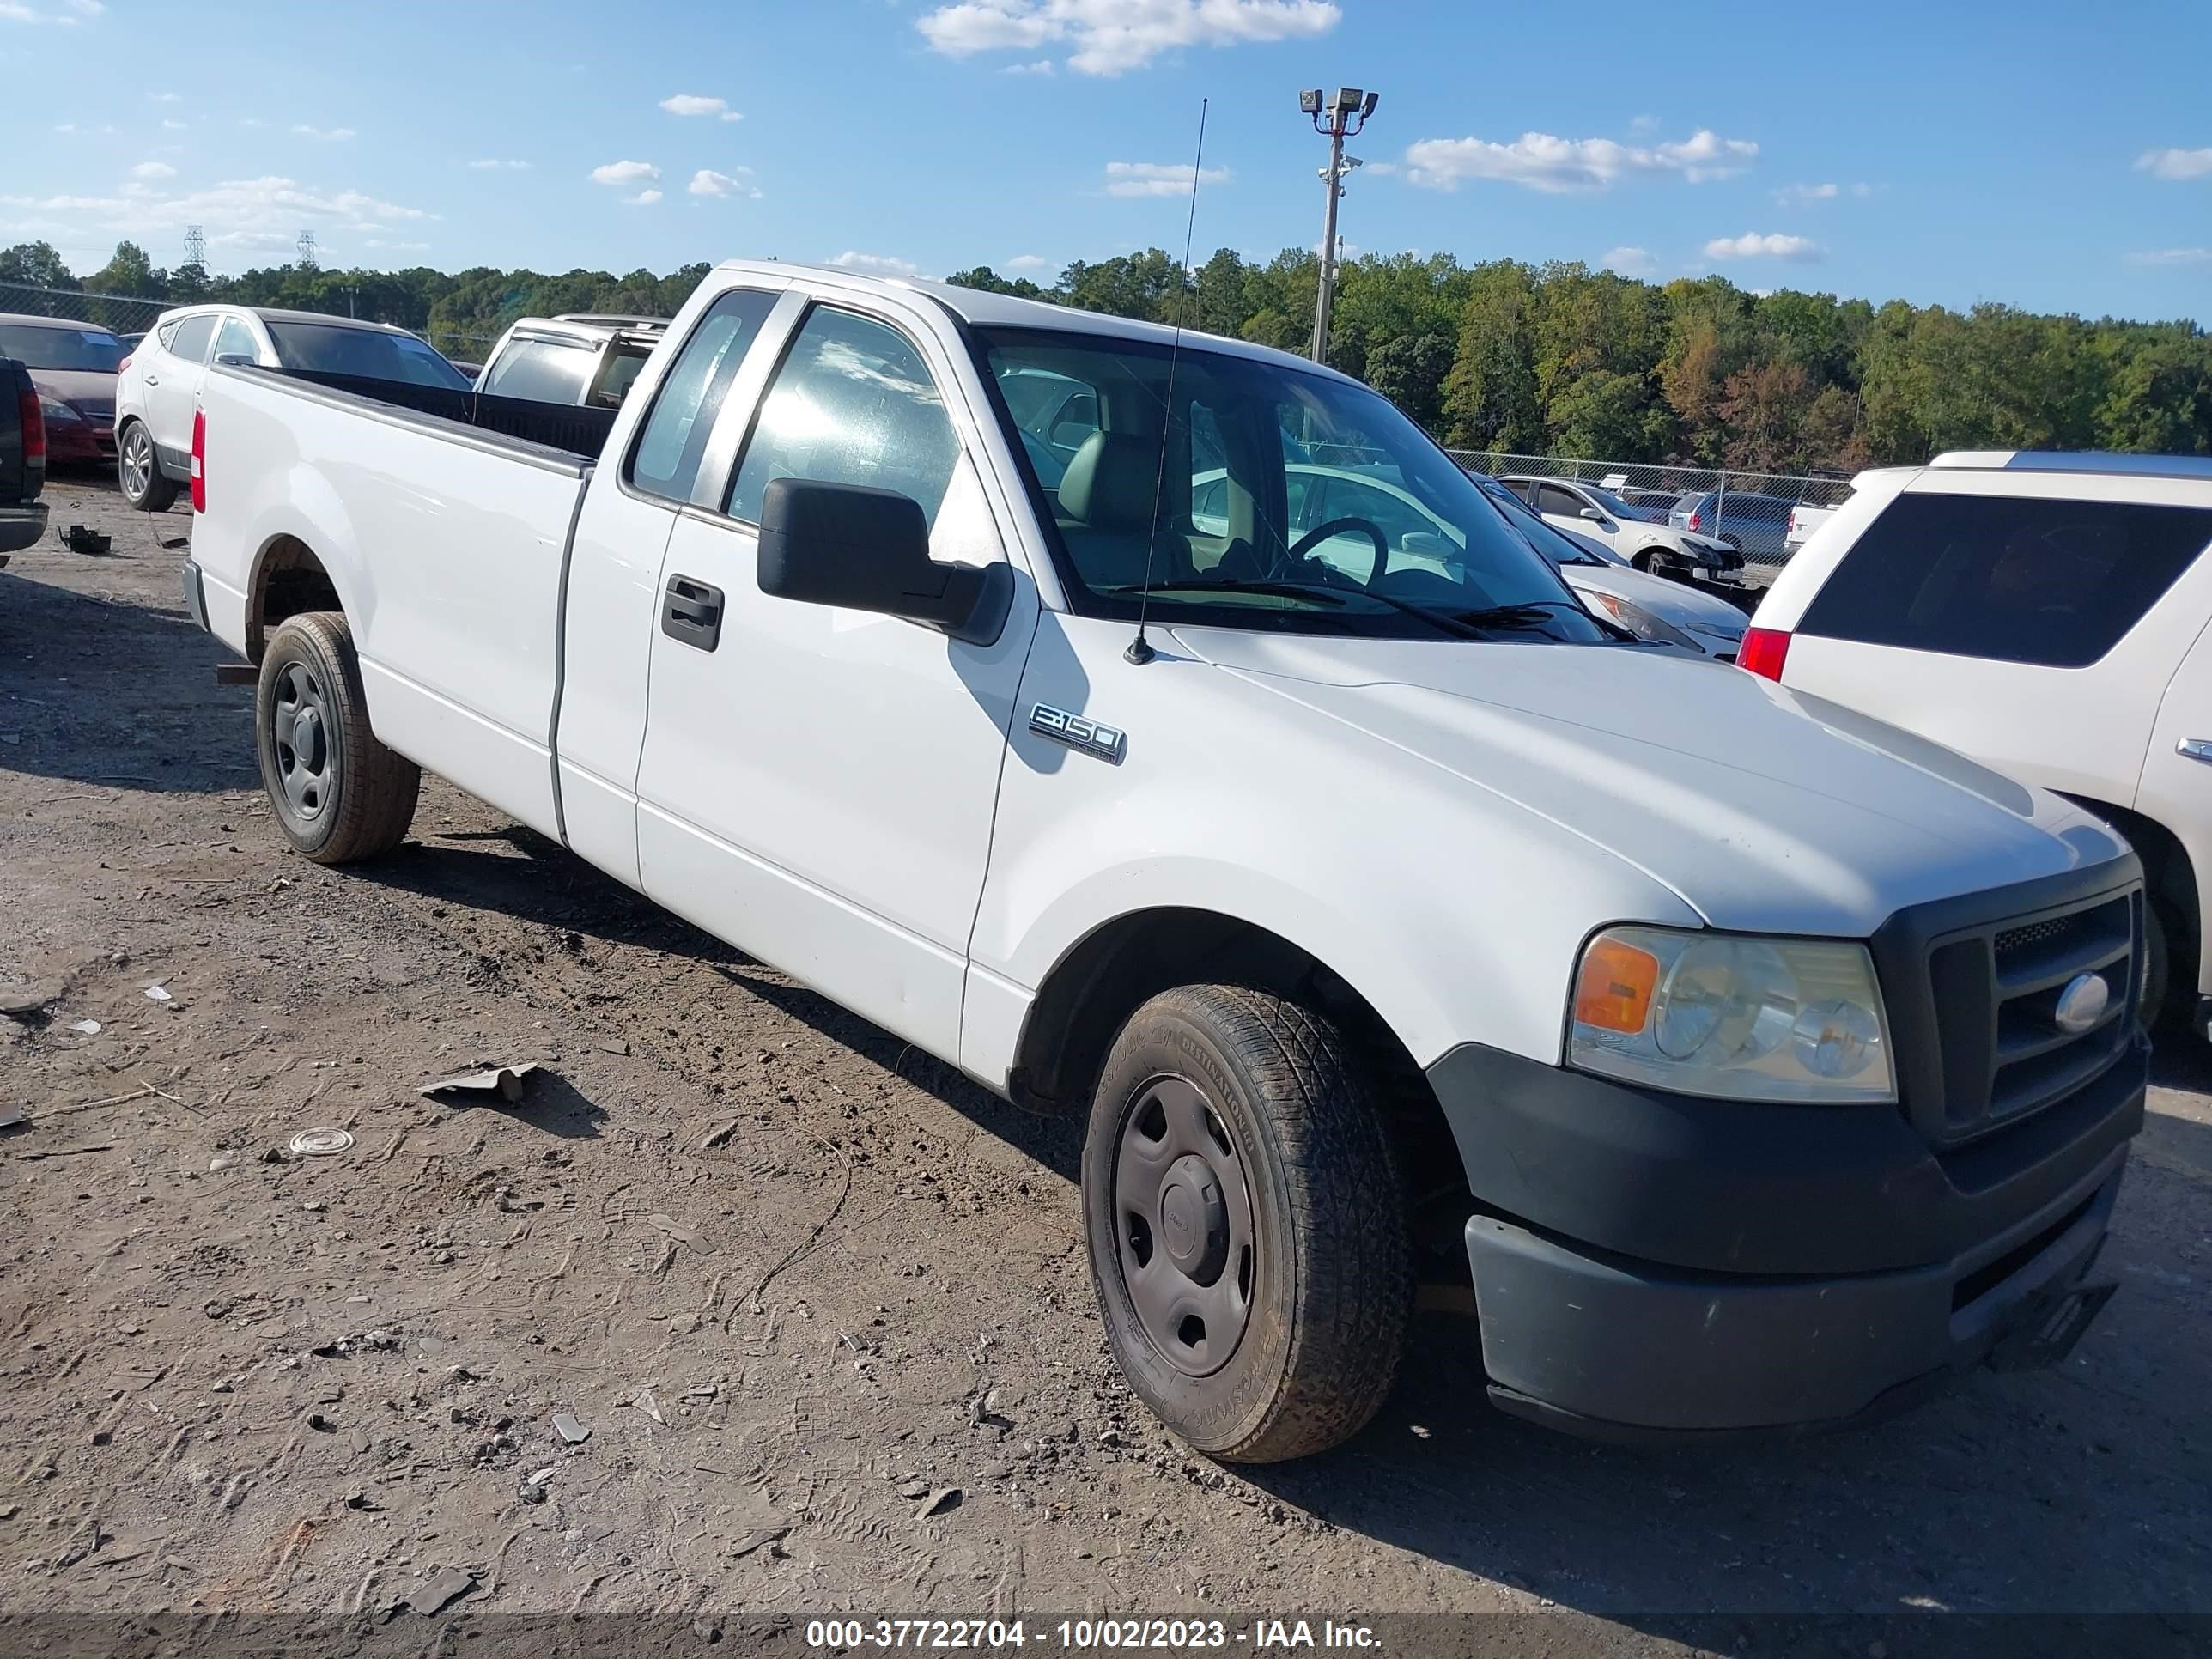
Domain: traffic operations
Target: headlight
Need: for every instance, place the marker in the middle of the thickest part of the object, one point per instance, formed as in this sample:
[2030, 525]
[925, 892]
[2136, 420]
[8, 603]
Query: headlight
[1641, 623]
[1776, 1019]
[59, 413]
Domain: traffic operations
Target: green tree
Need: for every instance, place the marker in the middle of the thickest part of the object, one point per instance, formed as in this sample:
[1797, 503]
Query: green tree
[35, 264]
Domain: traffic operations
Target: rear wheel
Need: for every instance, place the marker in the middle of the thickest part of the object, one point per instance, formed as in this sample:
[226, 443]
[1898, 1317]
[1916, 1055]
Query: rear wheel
[138, 470]
[1245, 1220]
[1647, 561]
[339, 794]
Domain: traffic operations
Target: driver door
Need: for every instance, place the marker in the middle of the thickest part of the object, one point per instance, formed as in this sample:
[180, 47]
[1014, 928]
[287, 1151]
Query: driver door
[1563, 509]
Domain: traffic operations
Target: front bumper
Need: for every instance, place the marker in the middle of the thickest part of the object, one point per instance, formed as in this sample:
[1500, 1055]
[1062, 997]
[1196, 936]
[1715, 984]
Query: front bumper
[1648, 1266]
[22, 527]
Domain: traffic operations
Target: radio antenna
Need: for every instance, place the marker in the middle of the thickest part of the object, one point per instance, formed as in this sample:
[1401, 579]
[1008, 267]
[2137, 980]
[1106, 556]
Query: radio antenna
[1140, 648]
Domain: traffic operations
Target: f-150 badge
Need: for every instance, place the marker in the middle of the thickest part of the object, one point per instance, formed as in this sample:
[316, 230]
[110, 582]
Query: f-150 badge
[1086, 736]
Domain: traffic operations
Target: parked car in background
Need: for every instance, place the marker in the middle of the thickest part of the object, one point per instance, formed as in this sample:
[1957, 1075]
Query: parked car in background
[1651, 607]
[1755, 526]
[2044, 614]
[74, 366]
[160, 384]
[571, 359]
[1658, 501]
[1349, 911]
[1638, 536]
[1804, 519]
[22, 461]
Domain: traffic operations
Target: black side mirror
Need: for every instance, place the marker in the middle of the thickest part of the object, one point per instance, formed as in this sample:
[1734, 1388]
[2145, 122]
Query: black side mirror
[868, 550]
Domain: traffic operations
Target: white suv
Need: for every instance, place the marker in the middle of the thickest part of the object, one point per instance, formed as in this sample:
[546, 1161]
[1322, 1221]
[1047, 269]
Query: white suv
[2046, 614]
[159, 384]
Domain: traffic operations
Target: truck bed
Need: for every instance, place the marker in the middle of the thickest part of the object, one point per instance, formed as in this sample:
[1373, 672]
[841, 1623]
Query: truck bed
[572, 428]
[444, 540]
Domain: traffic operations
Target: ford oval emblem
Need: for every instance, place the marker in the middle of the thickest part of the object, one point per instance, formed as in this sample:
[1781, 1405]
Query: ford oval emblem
[2081, 1004]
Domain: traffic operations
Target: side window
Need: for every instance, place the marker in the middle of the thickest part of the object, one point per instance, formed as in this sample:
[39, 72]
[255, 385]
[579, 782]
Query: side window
[1522, 488]
[1550, 498]
[1076, 419]
[1304, 500]
[542, 372]
[616, 375]
[853, 402]
[1209, 506]
[673, 439]
[234, 339]
[191, 337]
[2051, 583]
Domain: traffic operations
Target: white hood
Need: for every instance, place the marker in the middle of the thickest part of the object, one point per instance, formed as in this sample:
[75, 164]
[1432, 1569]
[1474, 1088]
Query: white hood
[1764, 809]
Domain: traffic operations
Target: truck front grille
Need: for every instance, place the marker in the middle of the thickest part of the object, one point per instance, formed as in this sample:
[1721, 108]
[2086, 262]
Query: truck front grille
[1996, 988]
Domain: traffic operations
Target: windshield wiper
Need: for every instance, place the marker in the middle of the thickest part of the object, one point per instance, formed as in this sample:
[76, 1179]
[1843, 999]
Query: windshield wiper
[1238, 585]
[1524, 614]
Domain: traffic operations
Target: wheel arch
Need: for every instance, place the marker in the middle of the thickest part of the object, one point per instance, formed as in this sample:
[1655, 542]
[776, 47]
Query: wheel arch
[289, 578]
[2169, 875]
[1113, 970]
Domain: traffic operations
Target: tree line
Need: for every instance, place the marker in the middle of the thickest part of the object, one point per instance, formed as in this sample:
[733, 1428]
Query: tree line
[1536, 359]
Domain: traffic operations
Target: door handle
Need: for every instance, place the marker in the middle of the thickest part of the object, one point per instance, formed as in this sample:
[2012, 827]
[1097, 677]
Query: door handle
[2197, 748]
[153, 379]
[692, 611]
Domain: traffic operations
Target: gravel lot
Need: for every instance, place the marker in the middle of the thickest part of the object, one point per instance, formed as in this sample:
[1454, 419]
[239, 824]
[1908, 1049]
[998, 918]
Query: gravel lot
[802, 1288]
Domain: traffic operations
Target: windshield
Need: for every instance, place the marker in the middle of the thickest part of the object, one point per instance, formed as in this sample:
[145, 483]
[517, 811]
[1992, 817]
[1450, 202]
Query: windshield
[373, 355]
[1210, 495]
[1613, 504]
[87, 350]
[1555, 545]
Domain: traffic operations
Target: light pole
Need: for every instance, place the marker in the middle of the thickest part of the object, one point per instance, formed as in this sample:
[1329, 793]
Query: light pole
[1345, 114]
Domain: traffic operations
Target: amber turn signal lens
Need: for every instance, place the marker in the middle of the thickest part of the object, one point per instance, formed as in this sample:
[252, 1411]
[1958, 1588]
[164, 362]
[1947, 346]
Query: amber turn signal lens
[1613, 991]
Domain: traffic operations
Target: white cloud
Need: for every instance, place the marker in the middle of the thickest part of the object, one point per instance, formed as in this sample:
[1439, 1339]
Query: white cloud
[1028, 262]
[1110, 37]
[239, 215]
[1864, 190]
[175, 125]
[328, 134]
[167, 97]
[494, 165]
[398, 247]
[874, 265]
[1042, 66]
[1158, 178]
[643, 199]
[2176, 165]
[1558, 165]
[707, 182]
[153, 170]
[1643, 123]
[626, 172]
[1804, 195]
[1629, 261]
[11, 11]
[2173, 256]
[1798, 250]
[105, 129]
[690, 103]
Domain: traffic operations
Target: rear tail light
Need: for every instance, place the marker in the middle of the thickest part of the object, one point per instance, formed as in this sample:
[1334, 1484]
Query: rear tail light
[1793, 520]
[199, 460]
[125, 364]
[34, 427]
[1696, 523]
[1763, 652]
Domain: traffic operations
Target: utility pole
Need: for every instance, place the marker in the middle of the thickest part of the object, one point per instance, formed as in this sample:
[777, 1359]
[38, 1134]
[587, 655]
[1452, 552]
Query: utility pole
[1345, 114]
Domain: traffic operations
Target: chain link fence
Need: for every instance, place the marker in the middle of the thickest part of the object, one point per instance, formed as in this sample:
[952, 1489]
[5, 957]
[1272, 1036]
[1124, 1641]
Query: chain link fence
[1751, 511]
[128, 314]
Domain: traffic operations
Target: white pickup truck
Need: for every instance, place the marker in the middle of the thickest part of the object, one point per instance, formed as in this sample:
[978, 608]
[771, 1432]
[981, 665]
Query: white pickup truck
[1388, 914]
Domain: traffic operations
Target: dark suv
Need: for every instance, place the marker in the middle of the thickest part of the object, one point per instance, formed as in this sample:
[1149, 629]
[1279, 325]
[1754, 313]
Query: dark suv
[22, 460]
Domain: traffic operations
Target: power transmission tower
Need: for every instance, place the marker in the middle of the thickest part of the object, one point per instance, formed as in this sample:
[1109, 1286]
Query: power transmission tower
[195, 246]
[307, 255]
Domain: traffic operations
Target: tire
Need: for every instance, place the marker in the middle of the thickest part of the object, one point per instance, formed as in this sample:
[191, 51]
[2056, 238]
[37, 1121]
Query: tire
[137, 459]
[338, 793]
[2157, 967]
[1313, 1292]
[1647, 561]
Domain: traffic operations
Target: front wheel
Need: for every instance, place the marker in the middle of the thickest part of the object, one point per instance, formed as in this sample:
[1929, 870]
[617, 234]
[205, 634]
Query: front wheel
[138, 470]
[1247, 1225]
[339, 794]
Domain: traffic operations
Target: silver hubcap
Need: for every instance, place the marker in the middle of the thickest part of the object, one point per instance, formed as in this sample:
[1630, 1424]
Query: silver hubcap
[306, 767]
[137, 461]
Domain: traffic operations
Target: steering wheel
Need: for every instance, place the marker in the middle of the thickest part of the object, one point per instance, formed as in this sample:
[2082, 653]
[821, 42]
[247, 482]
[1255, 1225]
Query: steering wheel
[1322, 533]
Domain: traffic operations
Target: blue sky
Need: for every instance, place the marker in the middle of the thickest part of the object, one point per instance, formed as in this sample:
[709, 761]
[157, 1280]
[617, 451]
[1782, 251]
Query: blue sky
[1963, 150]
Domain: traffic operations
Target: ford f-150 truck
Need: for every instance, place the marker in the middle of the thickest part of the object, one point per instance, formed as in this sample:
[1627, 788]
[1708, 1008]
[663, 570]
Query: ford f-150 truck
[1763, 1066]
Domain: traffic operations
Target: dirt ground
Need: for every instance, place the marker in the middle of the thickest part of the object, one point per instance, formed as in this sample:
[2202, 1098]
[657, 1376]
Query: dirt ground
[820, 1305]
